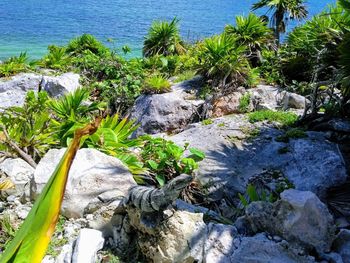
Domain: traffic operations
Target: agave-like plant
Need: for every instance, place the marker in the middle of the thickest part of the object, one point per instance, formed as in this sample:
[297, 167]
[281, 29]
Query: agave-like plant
[252, 32]
[83, 43]
[57, 58]
[163, 38]
[222, 59]
[282, 12]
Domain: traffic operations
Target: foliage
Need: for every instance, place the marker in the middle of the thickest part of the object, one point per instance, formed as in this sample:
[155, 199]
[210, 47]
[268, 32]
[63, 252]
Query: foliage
[294, 133]
[221, 59]
[282, 11]
[33, 237]
[207, 122]
[30, 126]
[164, 159]
[156, 84]
[253, 196]
[186, 75]
[14, 65]
[6, 184]
[83, 43]
[253, 78]
[57, 58]
[58, 240]
[244, 103]
[285, 118]
[7, 231]
[163, 38]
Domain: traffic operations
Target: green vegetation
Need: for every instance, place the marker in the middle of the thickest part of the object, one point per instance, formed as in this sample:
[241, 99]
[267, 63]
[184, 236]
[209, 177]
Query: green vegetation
[186, 75]
[156, 84]
[14, 65]
[207, 122]
[294, 133]
[7, 231]
[244, 102]
[285, 118]
[58, 240]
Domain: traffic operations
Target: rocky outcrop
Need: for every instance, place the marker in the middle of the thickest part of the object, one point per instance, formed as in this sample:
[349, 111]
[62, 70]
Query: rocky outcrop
[168, 112]
[13, 91]
[86, 246]
[20, 173]
[342, 245]
[299, 217]
[92, 175]
[60, 85]
[236, 150]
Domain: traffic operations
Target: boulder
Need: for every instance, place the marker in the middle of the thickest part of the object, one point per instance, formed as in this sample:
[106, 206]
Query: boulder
[88, 243]
[299, 217]
[167, 112]
[259, 249]
[236, 150]
[60, 85]
[92, 175]
[13, 91]
[342, 245]
[20, 173]
[271, 98]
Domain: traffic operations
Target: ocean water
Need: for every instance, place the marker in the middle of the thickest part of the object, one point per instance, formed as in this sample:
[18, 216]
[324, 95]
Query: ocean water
[32, 25]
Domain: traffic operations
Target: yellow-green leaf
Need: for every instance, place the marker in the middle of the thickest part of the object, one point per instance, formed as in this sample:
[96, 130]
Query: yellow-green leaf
[33, 237]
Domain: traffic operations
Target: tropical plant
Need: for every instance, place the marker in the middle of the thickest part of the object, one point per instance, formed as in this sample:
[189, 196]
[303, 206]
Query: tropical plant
[28, 130]
[163, 38]
[57, 58]
[285, 118]
[32, 239]
[252, 32]
[156, 84]
[14, 65]
[282, 11]
[86, 42]
[222, 59]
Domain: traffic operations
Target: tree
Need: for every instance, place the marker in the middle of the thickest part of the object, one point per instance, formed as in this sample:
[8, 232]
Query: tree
[163, 38]
[282, 11]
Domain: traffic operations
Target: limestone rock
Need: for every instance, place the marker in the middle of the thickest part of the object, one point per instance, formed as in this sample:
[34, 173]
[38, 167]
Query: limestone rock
[88, 243]
[20, 173]
[60, 85]
[13, 91]
[342, 245]
[299, 217]
[166, 112]
[92, 174]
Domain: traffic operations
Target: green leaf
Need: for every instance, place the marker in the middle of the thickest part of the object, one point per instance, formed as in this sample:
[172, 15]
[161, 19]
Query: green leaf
[152, 164]
[160, 179]
[197, 153]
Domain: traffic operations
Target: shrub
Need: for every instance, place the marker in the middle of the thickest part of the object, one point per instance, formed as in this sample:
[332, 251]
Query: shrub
[156, 84]
[57, 58]
[163, 38]
[86, 42]
[222, 60]
[285, 118]
[186, 75]
[244, 102]
[14, 65]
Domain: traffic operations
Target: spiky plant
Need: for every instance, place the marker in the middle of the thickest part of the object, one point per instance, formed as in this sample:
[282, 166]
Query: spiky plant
[163, 38]
[282, 11]
[83, 43]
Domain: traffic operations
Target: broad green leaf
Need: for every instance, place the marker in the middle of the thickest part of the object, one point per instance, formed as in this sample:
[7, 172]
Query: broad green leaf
[153, 164]
[160, 179]
[33, 237]
[197, 153]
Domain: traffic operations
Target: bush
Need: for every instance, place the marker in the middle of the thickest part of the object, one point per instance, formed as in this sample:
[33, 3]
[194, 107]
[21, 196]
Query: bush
[156, 85]
[285, 118]
[14, 65]
[244, 103]
[86, 42]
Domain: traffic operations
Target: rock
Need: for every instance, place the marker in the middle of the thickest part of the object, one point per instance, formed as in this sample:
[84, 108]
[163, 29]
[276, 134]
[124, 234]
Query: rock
[166, 112]
[342, 245]
[236, 150]
[60, 85]
[259, 249]
[271, 98]
[88, 243]
[227, 104]
[20, 173]
[299, 217]
[65, 255]
[13, 91]
[92, 174]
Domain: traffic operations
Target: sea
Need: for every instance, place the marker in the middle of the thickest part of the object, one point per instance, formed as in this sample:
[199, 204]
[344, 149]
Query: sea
[31, 25]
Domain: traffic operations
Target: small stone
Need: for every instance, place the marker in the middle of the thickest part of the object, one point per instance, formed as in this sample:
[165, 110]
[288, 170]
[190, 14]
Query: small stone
[89, 217]
[277, 238]
[11, 198]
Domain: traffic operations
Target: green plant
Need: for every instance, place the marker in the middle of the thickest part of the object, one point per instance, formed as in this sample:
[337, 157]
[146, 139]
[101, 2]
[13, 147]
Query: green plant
[83, 43]
[58, 240]
[207, 122]
[222, 60]
[156, 84]
[14, 65]
[163, 38]
[285, 118]
[294, 133]
[165, 160]
[7, 231]
[253, 196]
[186, 75]
[29, 127]
[57, 58]
[244, 102]
[282, 12]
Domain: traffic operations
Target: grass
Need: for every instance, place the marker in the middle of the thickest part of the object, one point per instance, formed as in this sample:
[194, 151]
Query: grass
[244, 102]
[58, 240]
[156, 85]
[294, 133]
[207, 122]
[7, 231]
[285, 118]
[186, 75]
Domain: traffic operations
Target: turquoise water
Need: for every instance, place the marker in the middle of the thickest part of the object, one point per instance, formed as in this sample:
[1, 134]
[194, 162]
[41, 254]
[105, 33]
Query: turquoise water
[32, 25]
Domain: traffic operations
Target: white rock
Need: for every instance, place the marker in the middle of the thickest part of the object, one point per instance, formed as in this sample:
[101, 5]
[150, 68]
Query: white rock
[60, 85]
[91, 174]
[88, 243]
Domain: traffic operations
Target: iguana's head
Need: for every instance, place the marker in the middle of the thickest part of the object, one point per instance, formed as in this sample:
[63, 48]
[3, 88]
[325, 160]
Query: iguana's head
[178, 183]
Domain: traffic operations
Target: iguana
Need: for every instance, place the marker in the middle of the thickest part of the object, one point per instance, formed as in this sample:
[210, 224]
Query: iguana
[148, 199]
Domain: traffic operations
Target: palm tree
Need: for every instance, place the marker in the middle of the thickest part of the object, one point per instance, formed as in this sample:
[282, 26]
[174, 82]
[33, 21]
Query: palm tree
[282, 11]
[163, 38]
